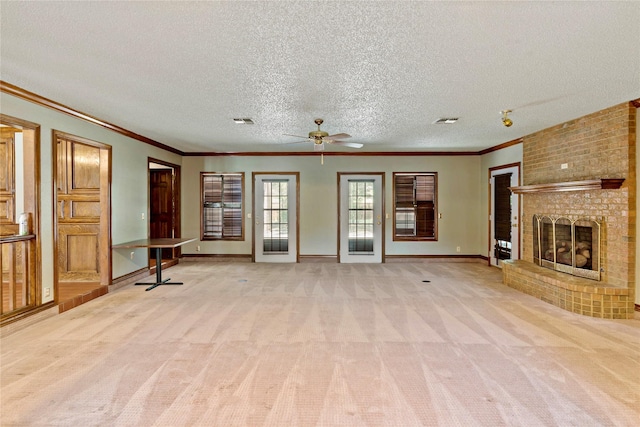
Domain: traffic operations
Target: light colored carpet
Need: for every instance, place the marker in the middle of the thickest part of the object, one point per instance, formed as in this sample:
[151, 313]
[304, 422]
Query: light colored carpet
[322, 344]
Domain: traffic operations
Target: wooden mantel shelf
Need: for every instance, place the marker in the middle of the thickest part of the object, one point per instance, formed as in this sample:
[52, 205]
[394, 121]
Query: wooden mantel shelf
[589, 184]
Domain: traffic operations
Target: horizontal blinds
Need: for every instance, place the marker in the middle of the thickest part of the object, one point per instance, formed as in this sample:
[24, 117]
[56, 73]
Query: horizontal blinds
[232, 203]
[415, 199]
[425, 188]
[222, 200]
[404, 185]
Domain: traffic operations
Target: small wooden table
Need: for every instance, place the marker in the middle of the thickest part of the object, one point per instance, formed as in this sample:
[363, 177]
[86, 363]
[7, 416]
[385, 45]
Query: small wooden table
[158, 244]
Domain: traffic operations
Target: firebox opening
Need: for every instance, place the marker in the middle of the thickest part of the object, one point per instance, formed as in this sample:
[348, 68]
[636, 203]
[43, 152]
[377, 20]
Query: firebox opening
[570, 246]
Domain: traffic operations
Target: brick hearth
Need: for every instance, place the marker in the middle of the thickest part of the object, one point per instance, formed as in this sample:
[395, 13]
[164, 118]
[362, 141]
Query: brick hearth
[576, 294]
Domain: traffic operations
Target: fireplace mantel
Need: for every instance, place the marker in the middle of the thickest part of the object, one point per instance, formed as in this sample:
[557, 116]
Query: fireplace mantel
[584, 185]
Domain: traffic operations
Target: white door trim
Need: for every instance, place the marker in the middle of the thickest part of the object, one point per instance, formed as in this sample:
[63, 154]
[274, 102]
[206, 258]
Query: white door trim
[516, 221]
[379, 218]
[293, 213]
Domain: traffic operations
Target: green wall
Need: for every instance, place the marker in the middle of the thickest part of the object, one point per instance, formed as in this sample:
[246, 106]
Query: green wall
[128, 188]
[459, 199]
[462, 192]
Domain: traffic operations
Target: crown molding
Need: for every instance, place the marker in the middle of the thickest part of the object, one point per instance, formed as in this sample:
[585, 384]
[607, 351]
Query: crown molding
[332, 153]
[45, 102]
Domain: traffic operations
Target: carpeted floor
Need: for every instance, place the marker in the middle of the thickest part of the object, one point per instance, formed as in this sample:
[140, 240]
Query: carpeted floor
[322, 344]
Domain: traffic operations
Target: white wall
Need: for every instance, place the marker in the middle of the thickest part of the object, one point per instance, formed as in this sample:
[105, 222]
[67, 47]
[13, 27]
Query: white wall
[459, 200]
[128, 189]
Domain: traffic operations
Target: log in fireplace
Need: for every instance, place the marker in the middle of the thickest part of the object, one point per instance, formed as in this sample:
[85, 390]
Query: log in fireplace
[568, 245]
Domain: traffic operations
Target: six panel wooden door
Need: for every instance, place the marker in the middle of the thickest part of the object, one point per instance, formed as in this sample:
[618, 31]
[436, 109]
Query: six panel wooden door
[161, 216]
[82, 213]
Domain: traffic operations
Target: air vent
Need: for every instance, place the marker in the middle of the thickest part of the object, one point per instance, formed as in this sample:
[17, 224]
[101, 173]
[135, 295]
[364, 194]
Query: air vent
[243, 121]
[446, 120]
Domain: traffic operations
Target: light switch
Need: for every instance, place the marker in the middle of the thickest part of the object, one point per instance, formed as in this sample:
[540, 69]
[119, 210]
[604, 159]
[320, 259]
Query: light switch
[249, 215]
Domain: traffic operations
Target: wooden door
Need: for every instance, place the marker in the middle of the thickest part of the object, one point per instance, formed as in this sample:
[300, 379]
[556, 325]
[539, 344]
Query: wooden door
[161, 206]
[82, 200]
[7, 192]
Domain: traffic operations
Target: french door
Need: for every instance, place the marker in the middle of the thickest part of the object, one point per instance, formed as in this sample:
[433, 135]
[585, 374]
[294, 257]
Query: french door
[361, 221]
[504, 236]
[275, 217]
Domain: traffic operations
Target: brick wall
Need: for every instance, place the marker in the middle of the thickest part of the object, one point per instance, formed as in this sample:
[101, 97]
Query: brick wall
[600, 145]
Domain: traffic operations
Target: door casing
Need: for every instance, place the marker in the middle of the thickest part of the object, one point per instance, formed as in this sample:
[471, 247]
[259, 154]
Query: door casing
[379, 216]
[255, 176]
[83, 222]
[174, 196]
[516, 221]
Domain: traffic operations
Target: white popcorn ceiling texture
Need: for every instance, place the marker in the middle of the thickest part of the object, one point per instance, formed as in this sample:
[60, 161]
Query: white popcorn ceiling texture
[179, 72]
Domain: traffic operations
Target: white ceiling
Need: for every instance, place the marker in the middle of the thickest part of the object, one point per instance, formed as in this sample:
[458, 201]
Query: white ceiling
[179, 72]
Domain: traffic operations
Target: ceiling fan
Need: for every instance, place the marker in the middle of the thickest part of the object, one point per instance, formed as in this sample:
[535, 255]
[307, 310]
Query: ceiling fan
[319, 137]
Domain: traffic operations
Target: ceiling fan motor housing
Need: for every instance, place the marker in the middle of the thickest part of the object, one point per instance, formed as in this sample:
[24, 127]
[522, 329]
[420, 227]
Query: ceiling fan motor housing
[317, 136]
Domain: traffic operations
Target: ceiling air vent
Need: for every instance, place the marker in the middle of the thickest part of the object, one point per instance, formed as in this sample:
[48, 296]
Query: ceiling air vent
[446, 120]
[243, 121]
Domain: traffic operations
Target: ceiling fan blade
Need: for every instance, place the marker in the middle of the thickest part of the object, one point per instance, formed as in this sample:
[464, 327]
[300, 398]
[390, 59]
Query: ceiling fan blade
[345, 144]
[296, 136]
[339, 136]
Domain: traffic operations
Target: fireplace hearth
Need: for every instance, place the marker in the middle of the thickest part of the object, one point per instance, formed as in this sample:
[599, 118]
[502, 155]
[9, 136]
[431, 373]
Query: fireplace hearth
[567, 245]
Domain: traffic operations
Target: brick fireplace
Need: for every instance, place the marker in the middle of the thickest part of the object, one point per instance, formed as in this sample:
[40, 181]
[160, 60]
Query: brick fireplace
[582, 170]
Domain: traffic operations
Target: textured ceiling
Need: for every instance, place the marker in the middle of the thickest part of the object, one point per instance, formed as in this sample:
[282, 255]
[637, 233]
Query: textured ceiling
[179, 72]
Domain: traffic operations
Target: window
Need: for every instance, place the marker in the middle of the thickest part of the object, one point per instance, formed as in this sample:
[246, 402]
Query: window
[222, 213]
[415, 207]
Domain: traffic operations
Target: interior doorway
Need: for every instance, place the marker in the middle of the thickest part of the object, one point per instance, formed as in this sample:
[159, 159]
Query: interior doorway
[164, 207]
[504, 229]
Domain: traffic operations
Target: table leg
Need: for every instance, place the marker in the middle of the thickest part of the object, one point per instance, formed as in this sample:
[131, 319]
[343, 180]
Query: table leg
[159, 280]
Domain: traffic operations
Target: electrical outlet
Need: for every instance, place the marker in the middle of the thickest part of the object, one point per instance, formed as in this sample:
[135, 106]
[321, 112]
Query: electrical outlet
[457, 248]
[47, 292]
[198, 248]
[142, 215]
[564, 166]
